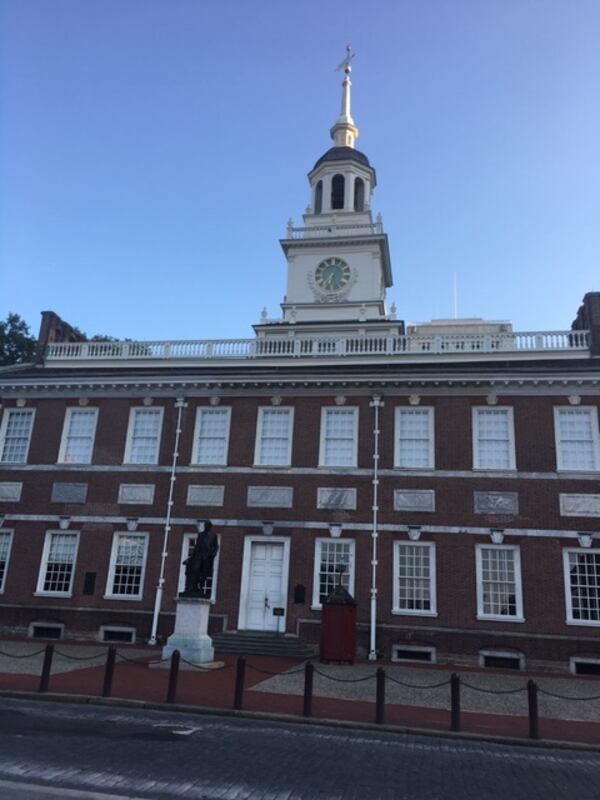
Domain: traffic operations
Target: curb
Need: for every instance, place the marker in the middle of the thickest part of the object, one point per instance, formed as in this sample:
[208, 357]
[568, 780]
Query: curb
[371, 727]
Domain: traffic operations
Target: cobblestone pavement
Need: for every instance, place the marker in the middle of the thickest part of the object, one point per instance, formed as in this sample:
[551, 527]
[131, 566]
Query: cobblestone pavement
[144, 754]
[335, 681]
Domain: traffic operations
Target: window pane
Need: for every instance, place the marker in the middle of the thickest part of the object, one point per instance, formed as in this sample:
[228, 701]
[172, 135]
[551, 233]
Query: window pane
[414, 438]
[584, 572]
[414, 577]
[80, 436]
[334, 555]
[339, 440]
[493, 438]
[144, 436]
[129, 562]
[275, 433]
[16, 436]
[59, 565]
[4, 546]
[576, 438]
[212, 436]
[498, 579]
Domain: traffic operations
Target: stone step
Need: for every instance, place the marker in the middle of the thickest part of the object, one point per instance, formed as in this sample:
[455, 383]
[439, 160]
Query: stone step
[258, 643]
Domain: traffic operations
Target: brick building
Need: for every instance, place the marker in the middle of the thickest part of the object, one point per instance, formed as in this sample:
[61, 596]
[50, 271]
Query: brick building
[447, 474]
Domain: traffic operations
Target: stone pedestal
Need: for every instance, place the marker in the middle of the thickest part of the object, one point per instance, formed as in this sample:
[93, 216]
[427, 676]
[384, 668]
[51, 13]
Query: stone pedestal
[190, 635]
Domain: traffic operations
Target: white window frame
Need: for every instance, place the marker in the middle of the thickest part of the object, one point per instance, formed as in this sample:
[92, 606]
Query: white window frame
[262, 410]
[3, 429]
[593, 412]
[196, 442]
[109, 595]
[316, 603]
[187, 537]
[62, 450]
[399, 411]
[325, 411]
[133, 411]
[518, 615]
[512, 654]
[570, 620]
[119, 628]
[10, 534]
[44, 564]
[396, 609]
[508, 410]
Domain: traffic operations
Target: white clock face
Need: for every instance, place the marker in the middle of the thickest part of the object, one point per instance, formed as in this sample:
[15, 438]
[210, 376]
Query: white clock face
[332, 274]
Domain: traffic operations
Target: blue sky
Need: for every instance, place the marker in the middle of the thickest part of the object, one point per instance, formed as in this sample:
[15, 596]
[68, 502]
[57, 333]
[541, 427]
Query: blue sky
[151, 152]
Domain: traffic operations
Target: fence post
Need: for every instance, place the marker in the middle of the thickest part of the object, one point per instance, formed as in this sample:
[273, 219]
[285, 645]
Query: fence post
[455, 701]
[532, 700]
[47, 666]
[173, 674]
[240, 672]
[309, 671]
[109, 671]
[380, 701]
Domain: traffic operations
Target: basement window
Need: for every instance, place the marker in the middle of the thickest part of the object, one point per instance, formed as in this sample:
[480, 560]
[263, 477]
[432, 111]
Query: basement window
[584, 666]
[500, 659]
[117, 633]
[408, 652]
[46, 630]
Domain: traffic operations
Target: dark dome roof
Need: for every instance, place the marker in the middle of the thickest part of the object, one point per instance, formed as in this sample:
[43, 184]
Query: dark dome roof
[343, 154]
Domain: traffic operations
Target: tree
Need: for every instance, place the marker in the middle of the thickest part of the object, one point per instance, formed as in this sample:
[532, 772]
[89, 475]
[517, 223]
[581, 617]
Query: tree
[17, 345]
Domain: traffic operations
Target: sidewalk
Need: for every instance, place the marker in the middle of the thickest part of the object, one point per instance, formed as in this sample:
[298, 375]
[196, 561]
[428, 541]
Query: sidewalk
[493, 703]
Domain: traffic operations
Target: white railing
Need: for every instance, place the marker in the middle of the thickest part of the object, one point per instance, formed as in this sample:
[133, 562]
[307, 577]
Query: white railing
[336, 229]
[323, 346]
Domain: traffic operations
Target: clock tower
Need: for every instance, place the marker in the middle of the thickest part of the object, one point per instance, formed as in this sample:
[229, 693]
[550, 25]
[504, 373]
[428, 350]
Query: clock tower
[338, 261]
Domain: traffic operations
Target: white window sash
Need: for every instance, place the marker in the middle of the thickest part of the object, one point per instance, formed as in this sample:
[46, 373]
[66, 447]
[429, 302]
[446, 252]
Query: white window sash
[200, 412]
[329, 412]
[571, 620]
[5, 535]
[185, 552]
[110, 594]
[592, 413]
[518, 584]
[263, 412]
[44, 563]
[399, 547]
[404, 411]
[9, 412]
[130, 430]
[66, 435]
[351, 571]
[478, 414]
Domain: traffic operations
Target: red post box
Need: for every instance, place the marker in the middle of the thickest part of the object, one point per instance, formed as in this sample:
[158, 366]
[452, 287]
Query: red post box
[338, 627]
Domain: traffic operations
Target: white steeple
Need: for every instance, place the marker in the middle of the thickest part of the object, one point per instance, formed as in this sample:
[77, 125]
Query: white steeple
[344, 133]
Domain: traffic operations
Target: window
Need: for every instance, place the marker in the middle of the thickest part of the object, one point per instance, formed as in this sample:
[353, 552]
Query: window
[319, 197]
[127, 566]
[493, 438]
[499, 594]
[414, 446]
[117, 633]
[15, 434]
[577, 438]
[359, 194]
[332, 558]
[501, 659]
[410, 652]
[5, 543]
[337, 192]
[77, 441]
[189, 540]
[414, 578]
[58, 564]
[46, 630]
[211, 436]
[274, 436]
[339, 440]
[143, 436]
[582, 586]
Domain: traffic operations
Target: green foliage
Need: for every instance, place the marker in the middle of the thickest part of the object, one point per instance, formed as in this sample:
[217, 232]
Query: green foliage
[17, 345]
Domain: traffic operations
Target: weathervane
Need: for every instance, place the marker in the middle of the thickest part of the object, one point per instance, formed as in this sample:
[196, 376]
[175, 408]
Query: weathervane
[345, 64]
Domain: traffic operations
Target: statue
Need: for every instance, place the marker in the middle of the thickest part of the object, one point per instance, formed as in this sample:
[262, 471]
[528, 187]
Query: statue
[199, 566]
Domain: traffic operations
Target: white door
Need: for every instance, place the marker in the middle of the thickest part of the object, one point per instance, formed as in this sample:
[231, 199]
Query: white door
[265, 585]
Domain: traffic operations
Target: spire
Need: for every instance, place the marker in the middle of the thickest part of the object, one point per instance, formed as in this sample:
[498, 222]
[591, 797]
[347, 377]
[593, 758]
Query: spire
[344, 133]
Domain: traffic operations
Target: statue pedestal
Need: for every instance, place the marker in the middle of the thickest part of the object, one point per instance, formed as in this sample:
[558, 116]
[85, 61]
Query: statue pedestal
[190, 635]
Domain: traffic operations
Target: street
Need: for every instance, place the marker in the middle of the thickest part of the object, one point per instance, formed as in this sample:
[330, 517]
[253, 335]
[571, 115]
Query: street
[69, 751]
